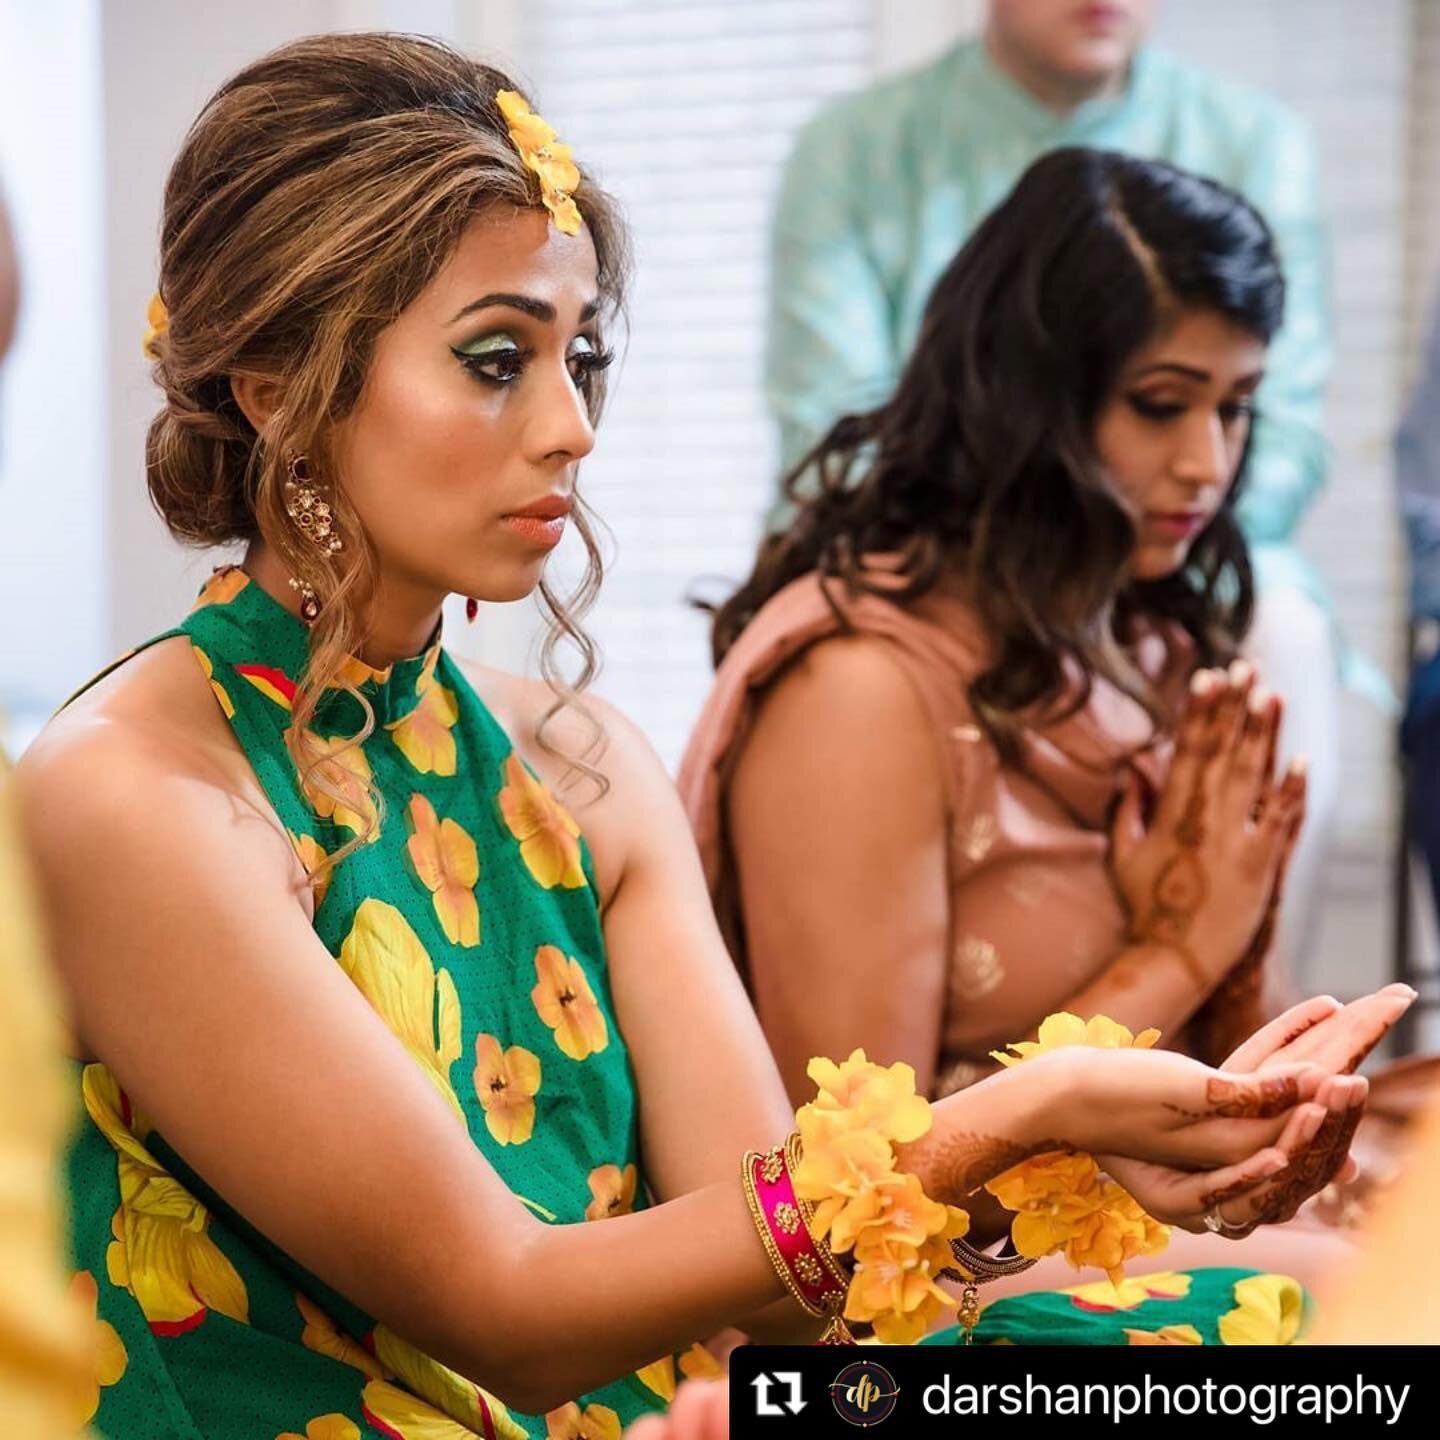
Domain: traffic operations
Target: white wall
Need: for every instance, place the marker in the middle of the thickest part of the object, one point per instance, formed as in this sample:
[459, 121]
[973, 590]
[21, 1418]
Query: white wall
[53, 405]
[161, 61]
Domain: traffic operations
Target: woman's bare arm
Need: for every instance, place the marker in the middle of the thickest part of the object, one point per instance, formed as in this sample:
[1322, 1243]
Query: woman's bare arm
[837, 822]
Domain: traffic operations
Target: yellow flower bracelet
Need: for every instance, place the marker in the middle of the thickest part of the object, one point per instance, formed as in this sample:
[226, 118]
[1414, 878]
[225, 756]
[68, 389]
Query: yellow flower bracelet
[849, 1200]
[1063, 1203]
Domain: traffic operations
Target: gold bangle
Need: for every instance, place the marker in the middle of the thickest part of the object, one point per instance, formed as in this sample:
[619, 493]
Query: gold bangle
[981, 1269]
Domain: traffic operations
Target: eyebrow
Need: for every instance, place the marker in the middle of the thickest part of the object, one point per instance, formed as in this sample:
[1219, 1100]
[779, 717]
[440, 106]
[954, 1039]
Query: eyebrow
[526, 304]
[1193, 372]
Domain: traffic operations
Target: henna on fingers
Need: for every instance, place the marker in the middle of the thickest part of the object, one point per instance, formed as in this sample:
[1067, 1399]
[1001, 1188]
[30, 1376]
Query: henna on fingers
[1234, 1191]
[1312, 1169]
[1261, 1098]
[1303, 1029]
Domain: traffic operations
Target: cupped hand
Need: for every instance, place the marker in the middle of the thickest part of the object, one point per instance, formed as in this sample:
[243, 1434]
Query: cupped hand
[1266, 1188]
[1323, 1032]
[1166, 1109]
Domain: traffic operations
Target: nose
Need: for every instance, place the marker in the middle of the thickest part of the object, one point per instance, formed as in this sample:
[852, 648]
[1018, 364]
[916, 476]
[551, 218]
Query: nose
[1202, 456]
[559, 427]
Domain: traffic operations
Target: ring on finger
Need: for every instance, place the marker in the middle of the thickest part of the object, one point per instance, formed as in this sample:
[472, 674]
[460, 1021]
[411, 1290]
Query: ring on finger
[1216, 1223]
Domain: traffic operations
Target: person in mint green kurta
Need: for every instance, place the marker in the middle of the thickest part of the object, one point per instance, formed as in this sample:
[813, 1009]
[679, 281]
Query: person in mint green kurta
[883, 188]
[380, 1058]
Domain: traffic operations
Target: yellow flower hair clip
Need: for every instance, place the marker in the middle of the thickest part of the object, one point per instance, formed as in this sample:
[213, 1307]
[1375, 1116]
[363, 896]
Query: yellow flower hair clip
[542, 153]
[157, 322]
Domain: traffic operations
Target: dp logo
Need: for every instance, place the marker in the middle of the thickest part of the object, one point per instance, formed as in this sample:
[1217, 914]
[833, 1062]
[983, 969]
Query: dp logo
[864, 1393]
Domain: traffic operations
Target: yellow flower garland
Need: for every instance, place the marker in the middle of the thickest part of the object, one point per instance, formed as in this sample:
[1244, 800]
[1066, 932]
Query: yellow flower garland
[1063, 1203]
[898, 1237]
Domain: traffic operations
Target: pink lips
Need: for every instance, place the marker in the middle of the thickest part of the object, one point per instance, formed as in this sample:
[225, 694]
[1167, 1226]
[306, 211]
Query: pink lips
[1101, 19]
[1175, 525]
[541, 523]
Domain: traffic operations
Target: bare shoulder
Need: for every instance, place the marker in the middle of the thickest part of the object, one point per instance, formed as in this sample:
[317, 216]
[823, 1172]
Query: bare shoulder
[143, 757]
[849, 688]
[154, 713]
[838, 738]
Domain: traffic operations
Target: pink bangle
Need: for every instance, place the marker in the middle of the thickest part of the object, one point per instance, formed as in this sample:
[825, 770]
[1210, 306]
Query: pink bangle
[809, 1272]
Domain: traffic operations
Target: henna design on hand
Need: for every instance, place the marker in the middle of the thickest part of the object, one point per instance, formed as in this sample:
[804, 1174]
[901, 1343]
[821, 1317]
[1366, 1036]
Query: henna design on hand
[1300, 1030]
[960, 1162]
[1211, 1198]
[1235, 1010]
[1357, 1059]
[1312, 1169]
[1261, 1098]
[1181, 887]
[1309, 1172]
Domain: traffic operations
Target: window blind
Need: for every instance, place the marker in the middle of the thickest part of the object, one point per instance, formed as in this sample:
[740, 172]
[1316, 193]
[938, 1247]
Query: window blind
[686, 110]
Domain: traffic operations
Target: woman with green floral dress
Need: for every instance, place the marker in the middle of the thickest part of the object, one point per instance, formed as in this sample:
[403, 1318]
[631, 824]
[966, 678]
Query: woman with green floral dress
[409, 1111]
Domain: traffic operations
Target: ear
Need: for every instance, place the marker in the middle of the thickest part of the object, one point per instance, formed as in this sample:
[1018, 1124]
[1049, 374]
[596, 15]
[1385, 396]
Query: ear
[258, 399]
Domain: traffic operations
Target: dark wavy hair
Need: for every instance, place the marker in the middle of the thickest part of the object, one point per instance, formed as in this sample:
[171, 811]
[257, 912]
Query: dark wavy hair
[984, 460]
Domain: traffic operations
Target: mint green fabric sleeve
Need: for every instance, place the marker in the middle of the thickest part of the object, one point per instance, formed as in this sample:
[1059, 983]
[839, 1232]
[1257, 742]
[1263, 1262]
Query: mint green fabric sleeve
[831, 344]
[1288, 455]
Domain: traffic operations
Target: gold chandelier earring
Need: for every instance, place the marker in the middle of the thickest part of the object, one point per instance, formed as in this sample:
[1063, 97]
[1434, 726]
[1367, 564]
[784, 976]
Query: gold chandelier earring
[305, 505]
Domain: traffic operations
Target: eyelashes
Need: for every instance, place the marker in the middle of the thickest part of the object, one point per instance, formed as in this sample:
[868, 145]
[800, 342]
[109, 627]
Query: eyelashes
[1149, 409]
[499, 368]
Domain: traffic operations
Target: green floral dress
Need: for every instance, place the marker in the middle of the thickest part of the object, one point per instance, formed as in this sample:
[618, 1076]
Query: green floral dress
[471, 925]
[1214, 1306]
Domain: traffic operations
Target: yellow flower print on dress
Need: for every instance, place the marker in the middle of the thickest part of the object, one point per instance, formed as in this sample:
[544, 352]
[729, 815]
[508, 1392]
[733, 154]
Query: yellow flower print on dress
[1166, 1335]
[697, 1363]
[311, 855]
[595, 1422]
[326, 1427]
[340, 766]
[401, 1416]
[226, 704]
[549, 838]
[449, 1398]
[425, 736]
[448, 865]
[324, 1337]
[222, 587]
[566, 1003]
[613, 1190]
[356, 672]
[389, 966]
[111, 1357]
[506, 1083]
[1269, 1310]
[165, 1257]
[1103, 1298]
[659, 1377]
[117, 1263]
